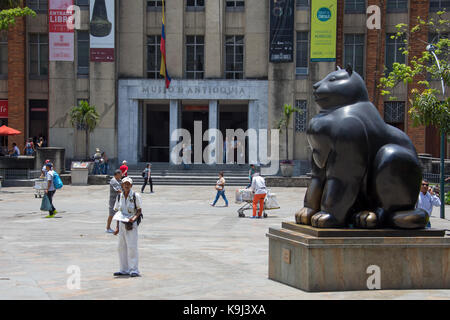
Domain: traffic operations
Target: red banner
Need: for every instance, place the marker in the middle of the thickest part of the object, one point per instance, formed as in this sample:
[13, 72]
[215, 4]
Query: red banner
[4, 109]
[58, 21]
[61, 38]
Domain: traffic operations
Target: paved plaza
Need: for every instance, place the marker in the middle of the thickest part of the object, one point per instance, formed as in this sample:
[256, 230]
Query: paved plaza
[188, 250]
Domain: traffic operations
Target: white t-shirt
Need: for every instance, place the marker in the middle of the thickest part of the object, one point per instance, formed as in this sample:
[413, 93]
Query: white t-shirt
[126, 206]
[49, 177]
[259, 185]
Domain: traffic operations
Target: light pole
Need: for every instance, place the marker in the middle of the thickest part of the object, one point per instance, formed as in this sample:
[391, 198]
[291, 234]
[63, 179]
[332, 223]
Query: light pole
[431, 49]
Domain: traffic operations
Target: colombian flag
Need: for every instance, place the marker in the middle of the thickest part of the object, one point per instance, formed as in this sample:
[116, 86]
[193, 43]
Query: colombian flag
[163, 70]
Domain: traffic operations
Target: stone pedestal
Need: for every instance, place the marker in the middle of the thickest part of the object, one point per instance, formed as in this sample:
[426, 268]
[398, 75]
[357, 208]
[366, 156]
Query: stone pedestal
[57, 156]
[314, 259]
[79, 176]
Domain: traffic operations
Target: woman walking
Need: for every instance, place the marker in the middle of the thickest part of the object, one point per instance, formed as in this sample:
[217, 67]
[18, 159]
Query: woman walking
[220, 187]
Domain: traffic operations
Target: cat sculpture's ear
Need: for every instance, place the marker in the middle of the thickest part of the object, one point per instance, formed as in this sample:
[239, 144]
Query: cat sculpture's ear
[349, 69]
[338, 68]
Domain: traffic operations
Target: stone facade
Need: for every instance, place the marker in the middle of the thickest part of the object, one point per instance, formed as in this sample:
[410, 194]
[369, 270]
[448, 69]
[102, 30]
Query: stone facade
[134, 22]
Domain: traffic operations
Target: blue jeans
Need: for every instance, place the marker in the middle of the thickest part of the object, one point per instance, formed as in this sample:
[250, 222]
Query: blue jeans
[220, 193]
[96, 168]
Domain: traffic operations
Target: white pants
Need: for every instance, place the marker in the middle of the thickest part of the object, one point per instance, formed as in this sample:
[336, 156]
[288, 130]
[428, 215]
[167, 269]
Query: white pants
[128, 249]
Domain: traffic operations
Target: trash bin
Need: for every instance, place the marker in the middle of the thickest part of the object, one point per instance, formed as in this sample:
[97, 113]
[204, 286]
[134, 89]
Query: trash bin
[79, 172]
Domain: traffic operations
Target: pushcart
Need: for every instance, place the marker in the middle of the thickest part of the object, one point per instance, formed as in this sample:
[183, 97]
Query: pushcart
[39, 187]
[245, 196]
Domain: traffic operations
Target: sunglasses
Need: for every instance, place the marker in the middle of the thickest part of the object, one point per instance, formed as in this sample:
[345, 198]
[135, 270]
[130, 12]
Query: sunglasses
[425, 184]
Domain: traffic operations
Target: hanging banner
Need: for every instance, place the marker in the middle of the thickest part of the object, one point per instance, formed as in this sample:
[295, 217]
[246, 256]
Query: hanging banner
[3, 109]
[281, 47]
[323, 30]
[102, 30]
[61, 38]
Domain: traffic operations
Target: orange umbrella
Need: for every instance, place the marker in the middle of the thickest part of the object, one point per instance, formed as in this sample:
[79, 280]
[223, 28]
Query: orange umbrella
[7, 131]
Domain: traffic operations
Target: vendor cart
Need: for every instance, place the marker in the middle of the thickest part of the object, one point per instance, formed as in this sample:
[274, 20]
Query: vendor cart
[39, 187]
[245, 196]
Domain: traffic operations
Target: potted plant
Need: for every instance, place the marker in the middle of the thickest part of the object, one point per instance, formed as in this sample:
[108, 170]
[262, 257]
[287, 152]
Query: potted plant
[287, 166]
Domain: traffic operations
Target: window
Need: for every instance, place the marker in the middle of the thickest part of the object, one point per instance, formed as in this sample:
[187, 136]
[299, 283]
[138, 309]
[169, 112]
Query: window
[302, 4]
[195, 5]
[437, 5]
[83, 4]
[153, 57]
[355, 6]
[301, 118]
[154, 5]
[354, 52]
[83, 52]
[301, 66]
[234, 57]
[3, 54]
[38, 46]
[397, 6]
[38, 5]
[235, 5]
[393, 52]
[195, 48]
[394, 112]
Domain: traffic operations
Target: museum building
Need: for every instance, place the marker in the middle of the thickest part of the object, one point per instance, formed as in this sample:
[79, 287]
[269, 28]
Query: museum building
[225, 66]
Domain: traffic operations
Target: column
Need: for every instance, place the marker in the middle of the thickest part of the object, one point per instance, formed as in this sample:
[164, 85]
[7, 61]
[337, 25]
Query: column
[174, 123]
[253, 124]
[214, 124]
[214, 46]
[127, 131]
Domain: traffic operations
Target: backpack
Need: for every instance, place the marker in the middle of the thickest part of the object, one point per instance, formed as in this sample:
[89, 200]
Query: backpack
[143, 173]
[57, 182]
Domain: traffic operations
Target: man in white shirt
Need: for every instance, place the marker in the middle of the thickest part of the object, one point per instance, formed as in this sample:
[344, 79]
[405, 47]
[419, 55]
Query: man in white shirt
[128, 207]
[259, 188]
[427, 199]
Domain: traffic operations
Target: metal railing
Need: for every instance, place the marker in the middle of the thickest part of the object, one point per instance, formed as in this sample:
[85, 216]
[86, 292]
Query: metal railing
[19, 174]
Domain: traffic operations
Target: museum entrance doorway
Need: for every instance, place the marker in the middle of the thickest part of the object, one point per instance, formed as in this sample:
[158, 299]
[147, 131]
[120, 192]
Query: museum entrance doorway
[234, 116]
[191, 114]
[156, 133]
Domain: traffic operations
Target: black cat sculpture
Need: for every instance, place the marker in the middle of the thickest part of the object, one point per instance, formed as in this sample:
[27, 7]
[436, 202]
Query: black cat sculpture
[364, 171]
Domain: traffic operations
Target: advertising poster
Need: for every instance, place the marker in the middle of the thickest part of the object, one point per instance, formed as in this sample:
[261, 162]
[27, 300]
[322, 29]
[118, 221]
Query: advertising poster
[3, 109]
[323, 30]
[281, 47]
[101, 28]
[61, 38]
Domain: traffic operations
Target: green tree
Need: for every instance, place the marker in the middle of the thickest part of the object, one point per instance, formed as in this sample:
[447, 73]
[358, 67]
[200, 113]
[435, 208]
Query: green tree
[10, 10]
[84, 117]
[283, 123]
[428, 106]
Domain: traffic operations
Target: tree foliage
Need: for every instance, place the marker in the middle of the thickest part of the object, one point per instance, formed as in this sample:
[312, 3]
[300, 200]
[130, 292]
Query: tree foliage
[428, 106]
[10, 10]
[283, 123]
[84, 117]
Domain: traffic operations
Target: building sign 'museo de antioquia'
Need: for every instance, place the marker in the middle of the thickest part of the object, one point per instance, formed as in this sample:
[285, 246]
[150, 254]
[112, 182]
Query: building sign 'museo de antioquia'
[323, 30]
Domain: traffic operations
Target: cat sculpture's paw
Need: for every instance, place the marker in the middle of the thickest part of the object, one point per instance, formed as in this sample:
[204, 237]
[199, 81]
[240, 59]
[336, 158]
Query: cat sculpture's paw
[323, 219]
[304, 215]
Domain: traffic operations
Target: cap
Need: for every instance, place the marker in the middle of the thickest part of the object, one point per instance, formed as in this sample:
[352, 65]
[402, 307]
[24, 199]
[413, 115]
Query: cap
[49, 164]
[47, 161]
[124, 161]
[97, 150]
[127, 179]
